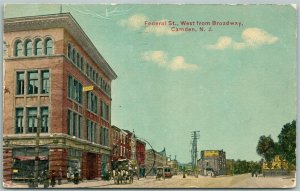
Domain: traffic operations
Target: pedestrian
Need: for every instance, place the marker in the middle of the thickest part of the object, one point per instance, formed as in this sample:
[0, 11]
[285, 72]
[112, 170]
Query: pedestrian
[53, 176]
[59, 177]
[76, 176]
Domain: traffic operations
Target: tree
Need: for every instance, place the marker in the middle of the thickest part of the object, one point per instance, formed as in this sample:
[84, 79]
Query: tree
[266, 149]
[287, 142]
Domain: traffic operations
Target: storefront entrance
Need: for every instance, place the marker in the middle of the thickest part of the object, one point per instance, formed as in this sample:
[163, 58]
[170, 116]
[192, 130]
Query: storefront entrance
[91, 166]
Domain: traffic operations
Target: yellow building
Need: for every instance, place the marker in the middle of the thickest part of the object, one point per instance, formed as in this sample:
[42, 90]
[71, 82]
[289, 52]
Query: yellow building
[277, 163]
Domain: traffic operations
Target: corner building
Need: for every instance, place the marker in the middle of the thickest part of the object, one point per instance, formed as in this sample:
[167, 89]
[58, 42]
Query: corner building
[48, 64]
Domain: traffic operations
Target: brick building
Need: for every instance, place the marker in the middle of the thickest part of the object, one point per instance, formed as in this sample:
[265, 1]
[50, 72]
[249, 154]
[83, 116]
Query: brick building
[140, 156]
[49, 62]
[212, 160]
[119, 144]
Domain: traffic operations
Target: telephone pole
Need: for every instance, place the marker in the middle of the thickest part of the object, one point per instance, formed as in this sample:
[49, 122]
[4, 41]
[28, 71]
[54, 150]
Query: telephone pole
[37, 152]
[195, 136]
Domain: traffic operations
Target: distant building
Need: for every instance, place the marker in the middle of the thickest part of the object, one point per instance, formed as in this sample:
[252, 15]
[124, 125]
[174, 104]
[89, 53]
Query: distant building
[279, 167]
[174, 165]
[140, 156]
[229, 167]
[155, 159]
[212, 160]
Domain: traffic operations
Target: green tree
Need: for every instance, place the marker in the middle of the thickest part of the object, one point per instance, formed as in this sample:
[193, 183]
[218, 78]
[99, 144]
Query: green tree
[266, 149]
[287, 142]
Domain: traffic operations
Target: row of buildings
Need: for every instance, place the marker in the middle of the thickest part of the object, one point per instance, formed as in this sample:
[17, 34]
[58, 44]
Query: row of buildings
[57, 97]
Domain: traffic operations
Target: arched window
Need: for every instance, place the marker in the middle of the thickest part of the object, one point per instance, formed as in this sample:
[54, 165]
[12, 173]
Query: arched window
[38, 47]
[18, 48]
[48, 47]
[28, 48]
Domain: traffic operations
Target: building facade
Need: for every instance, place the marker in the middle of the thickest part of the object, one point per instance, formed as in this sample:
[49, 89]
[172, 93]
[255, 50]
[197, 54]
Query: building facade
[57, 82]
[140, 156]
[212, 160]
[155, 159]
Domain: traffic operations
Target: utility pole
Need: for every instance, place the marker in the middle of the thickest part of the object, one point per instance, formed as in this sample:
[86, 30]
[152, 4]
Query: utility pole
[195, 136]
[37, 152]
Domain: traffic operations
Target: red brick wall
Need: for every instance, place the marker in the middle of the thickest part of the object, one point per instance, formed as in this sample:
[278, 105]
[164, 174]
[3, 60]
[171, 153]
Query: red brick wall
[7, 164]
[58, 159]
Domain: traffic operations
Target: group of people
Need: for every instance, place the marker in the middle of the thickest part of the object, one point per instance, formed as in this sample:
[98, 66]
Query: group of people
[53, 176]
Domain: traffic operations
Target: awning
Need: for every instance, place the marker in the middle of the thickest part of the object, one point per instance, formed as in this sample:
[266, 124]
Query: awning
[24, 158]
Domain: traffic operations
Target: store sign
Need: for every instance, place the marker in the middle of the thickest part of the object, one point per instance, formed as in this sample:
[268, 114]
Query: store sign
[211, 153]
[88, 88]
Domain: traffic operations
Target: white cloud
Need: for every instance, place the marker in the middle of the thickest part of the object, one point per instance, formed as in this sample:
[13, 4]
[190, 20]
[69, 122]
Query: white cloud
[137, 22]
[251, 38]
[257, 37]
[134, 22]
[178, 63]
[160, 58]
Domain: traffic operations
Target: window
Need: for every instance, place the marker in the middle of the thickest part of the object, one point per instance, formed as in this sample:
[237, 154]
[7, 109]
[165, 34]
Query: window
[20, 83]
[91, 131]
[69, 120]
[74, 89]
[92, 101]
[82, 64]
[88, 69]
[73, 55]
[18, 48]
[74, 124]
[104, 137]
[104, 110]
[44, 119]
[28, 48]
[69, 51]
[79, 125]
[48, 47]
[19, 120]
[45, 82]
[77, 60]
[32, 120]
[38, 47]
[33, 82]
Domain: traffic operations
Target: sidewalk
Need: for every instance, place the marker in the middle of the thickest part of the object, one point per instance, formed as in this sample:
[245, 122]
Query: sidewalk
[82, 184]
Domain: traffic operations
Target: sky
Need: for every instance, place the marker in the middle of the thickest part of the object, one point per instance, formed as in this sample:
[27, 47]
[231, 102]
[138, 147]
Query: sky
[233, 83]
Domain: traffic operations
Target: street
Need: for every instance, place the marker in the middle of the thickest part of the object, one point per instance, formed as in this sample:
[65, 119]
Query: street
[237, 181]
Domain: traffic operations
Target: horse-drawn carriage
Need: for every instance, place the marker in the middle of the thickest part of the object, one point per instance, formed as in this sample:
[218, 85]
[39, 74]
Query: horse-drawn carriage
[123, 171]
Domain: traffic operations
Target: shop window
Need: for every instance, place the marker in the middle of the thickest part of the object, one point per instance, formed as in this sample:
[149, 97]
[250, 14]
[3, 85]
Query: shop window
[33, 85]
[19, 120]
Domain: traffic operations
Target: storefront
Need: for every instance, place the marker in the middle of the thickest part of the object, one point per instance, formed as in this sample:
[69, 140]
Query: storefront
[23, 162]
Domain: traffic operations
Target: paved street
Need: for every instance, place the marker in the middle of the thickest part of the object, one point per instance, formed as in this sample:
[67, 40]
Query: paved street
[238, 181]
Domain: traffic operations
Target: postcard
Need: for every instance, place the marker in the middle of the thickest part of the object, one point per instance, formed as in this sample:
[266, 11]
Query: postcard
[149, 96]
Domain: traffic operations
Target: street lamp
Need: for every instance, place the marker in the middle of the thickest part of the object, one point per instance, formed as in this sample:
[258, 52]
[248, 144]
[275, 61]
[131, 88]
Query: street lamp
[37, 153]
